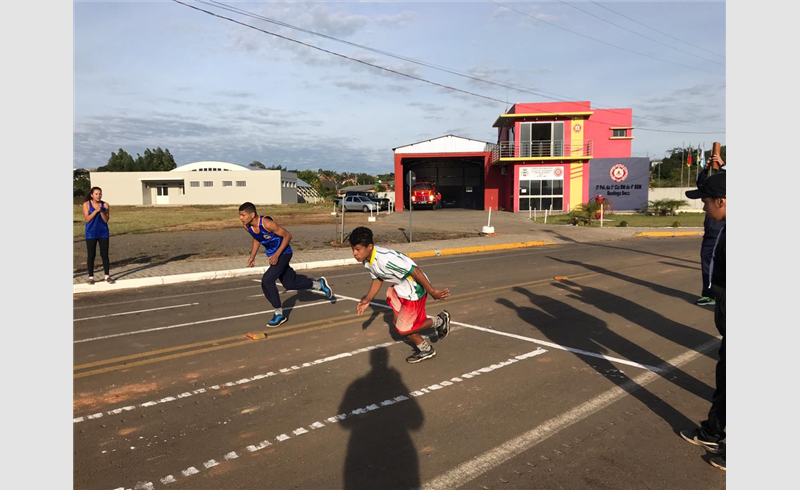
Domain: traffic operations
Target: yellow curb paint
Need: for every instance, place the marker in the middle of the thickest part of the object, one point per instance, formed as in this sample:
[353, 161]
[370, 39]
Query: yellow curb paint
[669, 233]
[481, 248]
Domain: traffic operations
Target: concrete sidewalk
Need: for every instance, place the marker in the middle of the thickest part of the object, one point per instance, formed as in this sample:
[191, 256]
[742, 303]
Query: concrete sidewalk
[141, 275]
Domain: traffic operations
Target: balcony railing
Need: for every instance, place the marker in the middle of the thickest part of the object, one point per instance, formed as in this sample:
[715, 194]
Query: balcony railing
[540, 149]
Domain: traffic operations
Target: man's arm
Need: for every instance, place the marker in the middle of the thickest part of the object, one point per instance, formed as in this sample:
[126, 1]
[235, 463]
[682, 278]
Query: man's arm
[282, 232]
[374, 288]
[251, 261]
[435, 293]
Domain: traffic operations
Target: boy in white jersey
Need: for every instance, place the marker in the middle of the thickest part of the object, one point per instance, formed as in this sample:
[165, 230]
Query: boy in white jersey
[407, 294]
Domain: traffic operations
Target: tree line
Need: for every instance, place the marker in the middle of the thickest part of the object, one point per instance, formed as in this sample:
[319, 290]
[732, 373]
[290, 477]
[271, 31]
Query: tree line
[673, 171]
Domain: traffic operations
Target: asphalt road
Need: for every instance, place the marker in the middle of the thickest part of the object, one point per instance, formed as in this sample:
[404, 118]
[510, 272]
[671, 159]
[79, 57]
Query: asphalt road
[577, 383]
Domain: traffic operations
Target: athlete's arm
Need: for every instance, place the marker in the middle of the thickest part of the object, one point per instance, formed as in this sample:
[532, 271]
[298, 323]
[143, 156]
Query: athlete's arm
[282, 232]
[251, 261]
[435, 293]
[86, 215]
[104, 214]
[374, 288]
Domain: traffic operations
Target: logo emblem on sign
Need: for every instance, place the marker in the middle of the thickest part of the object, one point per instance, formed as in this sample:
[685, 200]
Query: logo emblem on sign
[619, 172]
[557, 172]
[524, 172]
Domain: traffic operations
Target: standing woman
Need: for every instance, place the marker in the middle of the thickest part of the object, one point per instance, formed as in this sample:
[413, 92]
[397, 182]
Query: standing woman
[95, 212]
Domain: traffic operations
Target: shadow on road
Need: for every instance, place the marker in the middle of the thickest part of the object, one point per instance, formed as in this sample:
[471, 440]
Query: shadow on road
[569, 326]
[380, 453]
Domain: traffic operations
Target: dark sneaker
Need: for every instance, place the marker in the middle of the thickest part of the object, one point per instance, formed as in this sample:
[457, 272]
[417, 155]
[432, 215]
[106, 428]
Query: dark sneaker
[718, 462]
[91, 281]
[111, 280]
[420, 356]
[696, 437]
[443, 329]
[323, 286]
[705, 300]
[277, 320]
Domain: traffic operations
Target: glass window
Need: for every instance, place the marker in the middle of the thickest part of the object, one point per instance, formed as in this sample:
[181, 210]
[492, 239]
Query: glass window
[547, 187]
[241, 183]
[536, 187]
[547, 202]
[227, 183]
[558, 204]
[208, 183]
[620, 133]
[524, 188]
[558, 187]
[524, 203]
[194, 184]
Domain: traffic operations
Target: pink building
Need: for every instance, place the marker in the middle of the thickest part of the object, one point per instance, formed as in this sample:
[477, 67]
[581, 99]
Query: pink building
[542, 158]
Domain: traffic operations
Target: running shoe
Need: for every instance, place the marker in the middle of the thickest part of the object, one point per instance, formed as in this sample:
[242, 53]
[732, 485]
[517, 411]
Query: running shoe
[705, 300]
[698, 438]
[443, 329]
[277, 320]
[420, 356]
[323, 286]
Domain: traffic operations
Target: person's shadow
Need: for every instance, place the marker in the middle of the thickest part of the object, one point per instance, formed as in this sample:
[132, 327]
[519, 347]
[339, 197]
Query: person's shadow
[380, 453]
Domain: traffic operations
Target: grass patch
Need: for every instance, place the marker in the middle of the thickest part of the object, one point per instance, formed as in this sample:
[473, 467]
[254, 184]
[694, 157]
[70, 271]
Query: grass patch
[154, 219]
[634, 220]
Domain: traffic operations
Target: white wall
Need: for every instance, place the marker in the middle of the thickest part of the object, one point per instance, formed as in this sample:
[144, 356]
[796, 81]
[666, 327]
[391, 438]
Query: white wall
[261, 187]
[675, 193]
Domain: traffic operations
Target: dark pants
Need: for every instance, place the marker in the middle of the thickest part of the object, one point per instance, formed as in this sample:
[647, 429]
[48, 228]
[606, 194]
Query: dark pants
[714, 425]
[706, 252]
[91, 249]
[288, 277]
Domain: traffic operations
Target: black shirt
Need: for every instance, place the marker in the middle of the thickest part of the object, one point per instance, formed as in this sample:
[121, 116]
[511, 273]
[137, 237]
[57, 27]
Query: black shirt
[718, 273]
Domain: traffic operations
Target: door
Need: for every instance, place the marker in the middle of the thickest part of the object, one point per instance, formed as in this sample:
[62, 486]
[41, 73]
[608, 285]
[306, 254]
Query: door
[162, 194]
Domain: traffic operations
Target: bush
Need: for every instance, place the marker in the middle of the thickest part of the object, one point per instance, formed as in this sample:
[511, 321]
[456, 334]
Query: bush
[676, 224]
[623, 224]
[666, 207]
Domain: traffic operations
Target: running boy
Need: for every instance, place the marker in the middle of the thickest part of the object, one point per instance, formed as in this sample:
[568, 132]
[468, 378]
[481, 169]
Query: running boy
[407, 294]
[275, 238]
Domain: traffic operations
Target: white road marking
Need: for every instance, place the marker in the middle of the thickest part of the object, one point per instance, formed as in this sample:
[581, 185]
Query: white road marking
[210, 320]
[168, 399]
[529, 339]
[376, 406]
[474, 468]
[105, 305]
[134, 312]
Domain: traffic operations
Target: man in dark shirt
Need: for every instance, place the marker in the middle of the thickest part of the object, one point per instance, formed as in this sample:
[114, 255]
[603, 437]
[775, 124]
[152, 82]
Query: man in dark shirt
[711, 230]
[711, 434]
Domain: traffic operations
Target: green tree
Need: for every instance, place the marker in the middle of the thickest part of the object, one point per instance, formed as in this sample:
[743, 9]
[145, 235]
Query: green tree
[118, 162]
[277, 167]
[257, 164]
[80, 183]
[672, 171]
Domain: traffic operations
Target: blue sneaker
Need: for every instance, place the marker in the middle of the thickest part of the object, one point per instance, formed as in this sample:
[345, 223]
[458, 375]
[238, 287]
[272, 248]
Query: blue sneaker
[323, 283]
[277, 320]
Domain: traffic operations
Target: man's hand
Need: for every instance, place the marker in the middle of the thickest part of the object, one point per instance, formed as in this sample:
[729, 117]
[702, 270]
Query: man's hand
[273, 260]
[251, 262]
[440, 293]
[717, 161]
[362, 306]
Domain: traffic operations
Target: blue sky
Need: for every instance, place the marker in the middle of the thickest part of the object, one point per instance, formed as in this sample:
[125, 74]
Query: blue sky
[150, 74]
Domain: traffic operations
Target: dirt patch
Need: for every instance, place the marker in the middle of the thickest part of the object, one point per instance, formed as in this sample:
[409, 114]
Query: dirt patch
[84, 401]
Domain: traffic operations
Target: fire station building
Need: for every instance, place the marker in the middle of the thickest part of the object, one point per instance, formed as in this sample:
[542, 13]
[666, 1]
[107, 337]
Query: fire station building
[547, 156]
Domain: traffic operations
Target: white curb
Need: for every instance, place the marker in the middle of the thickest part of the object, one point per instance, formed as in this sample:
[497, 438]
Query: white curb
[201, 276]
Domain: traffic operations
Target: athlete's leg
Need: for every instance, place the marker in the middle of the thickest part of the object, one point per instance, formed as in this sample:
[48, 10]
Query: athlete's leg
[91, 252]
[104, 255]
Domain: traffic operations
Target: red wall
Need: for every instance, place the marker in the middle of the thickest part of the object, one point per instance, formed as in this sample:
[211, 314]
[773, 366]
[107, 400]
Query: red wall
[597, 130]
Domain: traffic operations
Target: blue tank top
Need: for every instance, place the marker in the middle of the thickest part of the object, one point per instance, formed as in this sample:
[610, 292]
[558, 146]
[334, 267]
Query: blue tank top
[96, 228]
[270, 240]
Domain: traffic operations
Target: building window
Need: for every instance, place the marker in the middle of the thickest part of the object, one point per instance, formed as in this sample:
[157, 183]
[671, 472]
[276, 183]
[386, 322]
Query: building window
[227, 183]
[620, 133]
[541, 194]
[194, 184]
[241, 183]
[208, 183]
[541, 139]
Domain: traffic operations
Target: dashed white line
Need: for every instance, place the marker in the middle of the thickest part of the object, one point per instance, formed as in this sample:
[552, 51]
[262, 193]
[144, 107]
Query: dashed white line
[186, 394]
[376, 406]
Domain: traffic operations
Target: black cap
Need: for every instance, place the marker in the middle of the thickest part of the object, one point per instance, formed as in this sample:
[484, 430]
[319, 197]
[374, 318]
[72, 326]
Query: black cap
[713, 186]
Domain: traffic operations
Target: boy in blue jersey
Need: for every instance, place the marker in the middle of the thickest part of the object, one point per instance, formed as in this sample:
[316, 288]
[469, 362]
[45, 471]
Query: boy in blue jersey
[275, 238]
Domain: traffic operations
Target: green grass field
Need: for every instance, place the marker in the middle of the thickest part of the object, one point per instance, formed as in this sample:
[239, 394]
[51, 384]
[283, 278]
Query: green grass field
[634, 220]
[138, 219]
